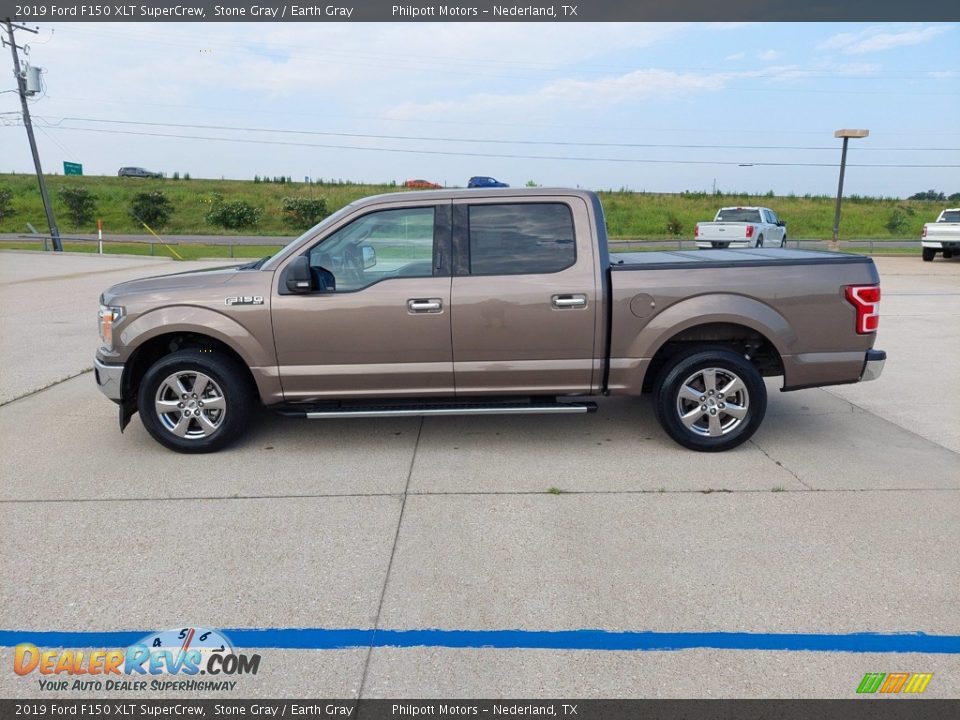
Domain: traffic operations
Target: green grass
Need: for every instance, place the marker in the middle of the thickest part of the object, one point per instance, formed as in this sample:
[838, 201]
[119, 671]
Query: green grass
[629, 215]
[186, 252]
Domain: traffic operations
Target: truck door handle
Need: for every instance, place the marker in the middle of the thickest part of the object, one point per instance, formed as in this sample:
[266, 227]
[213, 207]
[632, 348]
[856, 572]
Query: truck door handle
[431, 305]
[569, 301]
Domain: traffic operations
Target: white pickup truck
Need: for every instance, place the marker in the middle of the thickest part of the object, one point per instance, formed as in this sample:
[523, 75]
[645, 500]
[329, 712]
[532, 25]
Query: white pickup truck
[942, 235]
[742, 227]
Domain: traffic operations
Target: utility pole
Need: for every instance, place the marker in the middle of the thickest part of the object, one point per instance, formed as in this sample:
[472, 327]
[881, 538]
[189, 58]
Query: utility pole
[846, 135]
[22, 91]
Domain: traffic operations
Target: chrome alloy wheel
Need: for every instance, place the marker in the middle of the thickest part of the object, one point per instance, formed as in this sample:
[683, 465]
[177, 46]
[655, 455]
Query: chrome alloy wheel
[712, 402]
[190, 404]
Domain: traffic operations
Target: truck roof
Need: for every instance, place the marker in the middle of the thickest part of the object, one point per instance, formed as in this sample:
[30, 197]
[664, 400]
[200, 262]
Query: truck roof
[459, 193]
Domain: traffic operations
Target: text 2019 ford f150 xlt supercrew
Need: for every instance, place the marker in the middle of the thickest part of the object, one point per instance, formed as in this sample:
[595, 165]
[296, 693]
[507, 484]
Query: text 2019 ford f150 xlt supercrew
[483, 301]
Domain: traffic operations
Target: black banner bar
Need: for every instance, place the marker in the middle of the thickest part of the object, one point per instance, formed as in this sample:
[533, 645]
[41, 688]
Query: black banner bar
[406, 709]
[483, 11]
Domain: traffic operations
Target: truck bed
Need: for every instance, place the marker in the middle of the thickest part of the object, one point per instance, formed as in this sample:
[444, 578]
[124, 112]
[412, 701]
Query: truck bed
[755, 257]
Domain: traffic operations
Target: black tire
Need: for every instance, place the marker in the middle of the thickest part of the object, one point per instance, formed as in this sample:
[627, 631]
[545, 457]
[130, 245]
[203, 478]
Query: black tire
[947, 254]
[224, 407]
[694, 366]
[929, 254]
[783, 241]
[759, 241]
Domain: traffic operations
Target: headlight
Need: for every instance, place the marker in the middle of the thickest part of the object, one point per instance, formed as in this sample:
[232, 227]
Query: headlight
[107, 316]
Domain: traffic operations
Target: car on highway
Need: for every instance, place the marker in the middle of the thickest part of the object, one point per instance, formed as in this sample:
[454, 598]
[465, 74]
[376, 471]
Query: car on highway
[421, 185]
[742, 227]
[482, 181]
[942, 236]
[483, 302]
[137, 172]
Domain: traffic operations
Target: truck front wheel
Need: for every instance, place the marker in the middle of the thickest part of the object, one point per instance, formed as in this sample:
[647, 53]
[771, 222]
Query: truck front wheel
[195, 401]
[710, 399]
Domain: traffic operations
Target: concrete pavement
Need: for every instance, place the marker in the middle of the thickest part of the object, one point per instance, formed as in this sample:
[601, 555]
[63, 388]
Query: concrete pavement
[841, 515]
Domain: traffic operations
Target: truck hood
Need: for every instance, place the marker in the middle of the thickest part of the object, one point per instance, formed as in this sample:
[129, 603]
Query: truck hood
[176, 282]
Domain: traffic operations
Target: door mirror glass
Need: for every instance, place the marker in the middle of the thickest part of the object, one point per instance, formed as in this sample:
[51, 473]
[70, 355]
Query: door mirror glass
[297, 277]
[369, 256]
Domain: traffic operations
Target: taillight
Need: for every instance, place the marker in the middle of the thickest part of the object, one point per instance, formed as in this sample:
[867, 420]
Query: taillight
[924, 231]
[696, 230]
[866, 300]
[749, 231]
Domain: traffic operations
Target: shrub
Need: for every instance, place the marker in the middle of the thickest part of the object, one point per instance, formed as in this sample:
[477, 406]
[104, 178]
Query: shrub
[897, 222]
[6, 203]
[153, 208]
[176, 175]
[80, 203]
[186, 176]
[233, 215]
[674, 226]
[302, 213]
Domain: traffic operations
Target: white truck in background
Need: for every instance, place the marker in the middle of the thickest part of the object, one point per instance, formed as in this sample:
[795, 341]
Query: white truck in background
[942, 236]
[742, 227]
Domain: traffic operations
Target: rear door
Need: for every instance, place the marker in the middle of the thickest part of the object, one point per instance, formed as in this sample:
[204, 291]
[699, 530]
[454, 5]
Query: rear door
[382, 326]
[524, 296]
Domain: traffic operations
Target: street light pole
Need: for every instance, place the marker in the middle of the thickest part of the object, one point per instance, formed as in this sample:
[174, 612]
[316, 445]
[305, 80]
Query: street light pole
[846, 135]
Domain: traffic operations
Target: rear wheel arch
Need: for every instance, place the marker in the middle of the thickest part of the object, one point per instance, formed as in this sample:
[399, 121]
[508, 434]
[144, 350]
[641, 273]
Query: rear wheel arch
[747, 342]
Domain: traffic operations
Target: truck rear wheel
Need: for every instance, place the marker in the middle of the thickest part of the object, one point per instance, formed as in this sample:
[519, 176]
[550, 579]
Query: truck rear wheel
[929, 254]
[710, 399]
[760, 241]
[195, 401]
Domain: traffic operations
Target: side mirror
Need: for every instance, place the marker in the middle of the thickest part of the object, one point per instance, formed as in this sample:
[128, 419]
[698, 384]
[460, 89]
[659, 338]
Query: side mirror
[781, 223]
[296, 276]
[369, 256]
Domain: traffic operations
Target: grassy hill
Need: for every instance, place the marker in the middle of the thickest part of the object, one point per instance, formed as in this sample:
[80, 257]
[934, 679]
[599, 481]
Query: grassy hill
[629, 215]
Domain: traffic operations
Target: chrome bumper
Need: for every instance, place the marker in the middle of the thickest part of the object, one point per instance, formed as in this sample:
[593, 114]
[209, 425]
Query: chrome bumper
[108, 378]
[873, 365]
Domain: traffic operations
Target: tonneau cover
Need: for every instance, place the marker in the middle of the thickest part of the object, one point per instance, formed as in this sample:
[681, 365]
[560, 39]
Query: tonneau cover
[695, 259]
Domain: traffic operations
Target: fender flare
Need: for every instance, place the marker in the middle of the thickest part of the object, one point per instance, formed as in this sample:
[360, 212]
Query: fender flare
[713, 308]
[202, 321]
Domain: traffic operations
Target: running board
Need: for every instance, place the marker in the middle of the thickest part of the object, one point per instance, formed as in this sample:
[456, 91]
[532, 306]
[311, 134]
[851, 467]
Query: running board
[449, 409]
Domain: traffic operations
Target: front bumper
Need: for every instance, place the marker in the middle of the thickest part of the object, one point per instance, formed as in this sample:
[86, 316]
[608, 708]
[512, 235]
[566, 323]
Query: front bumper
[873, 365]
[108, 379]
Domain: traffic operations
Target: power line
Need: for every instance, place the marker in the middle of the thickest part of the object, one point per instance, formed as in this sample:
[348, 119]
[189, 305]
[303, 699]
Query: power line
[253, 141]
[562, 143]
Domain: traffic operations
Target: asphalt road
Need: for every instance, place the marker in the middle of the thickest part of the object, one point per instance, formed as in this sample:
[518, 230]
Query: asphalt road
[840, 517]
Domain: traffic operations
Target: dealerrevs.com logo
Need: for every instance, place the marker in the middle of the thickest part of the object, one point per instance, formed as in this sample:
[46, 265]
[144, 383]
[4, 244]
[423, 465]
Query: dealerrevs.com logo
[186, 659]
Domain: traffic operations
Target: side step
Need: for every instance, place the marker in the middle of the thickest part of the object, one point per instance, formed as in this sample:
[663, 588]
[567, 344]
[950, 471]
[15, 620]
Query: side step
[410, 410]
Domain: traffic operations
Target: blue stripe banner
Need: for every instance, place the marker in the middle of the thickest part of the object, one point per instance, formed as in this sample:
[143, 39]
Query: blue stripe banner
[604, 640]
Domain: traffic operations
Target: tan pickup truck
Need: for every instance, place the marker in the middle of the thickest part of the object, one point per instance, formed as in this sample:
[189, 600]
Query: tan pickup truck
[491, 301]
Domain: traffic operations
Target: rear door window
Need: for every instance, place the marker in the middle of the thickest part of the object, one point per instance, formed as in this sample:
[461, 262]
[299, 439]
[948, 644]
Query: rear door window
[521, 238]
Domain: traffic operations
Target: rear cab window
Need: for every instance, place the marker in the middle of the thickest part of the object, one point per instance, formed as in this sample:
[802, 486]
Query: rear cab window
[520, 238]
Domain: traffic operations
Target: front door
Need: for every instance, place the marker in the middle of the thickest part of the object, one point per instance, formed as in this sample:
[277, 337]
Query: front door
[377, 321]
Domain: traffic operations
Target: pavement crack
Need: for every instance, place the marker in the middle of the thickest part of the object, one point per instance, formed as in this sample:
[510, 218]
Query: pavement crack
[780, 464]
[393, 552]
[47, 386]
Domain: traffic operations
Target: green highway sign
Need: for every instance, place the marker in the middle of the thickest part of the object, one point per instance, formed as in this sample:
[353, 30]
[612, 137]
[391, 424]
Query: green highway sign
[72, 168]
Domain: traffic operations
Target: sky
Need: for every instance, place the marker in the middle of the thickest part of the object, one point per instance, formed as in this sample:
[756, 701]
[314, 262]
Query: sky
[660, 107]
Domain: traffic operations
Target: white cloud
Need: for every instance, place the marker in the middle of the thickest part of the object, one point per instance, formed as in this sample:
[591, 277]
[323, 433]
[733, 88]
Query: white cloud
[596, 95]
[883, 37]
[769, 55]
[736, 56]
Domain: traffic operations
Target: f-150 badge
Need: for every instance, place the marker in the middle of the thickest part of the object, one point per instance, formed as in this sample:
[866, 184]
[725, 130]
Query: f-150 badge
[244, 300]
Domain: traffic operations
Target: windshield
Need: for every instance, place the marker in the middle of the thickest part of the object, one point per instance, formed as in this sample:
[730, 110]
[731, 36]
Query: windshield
[738, 215]
[329, 220]
[950, 216]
